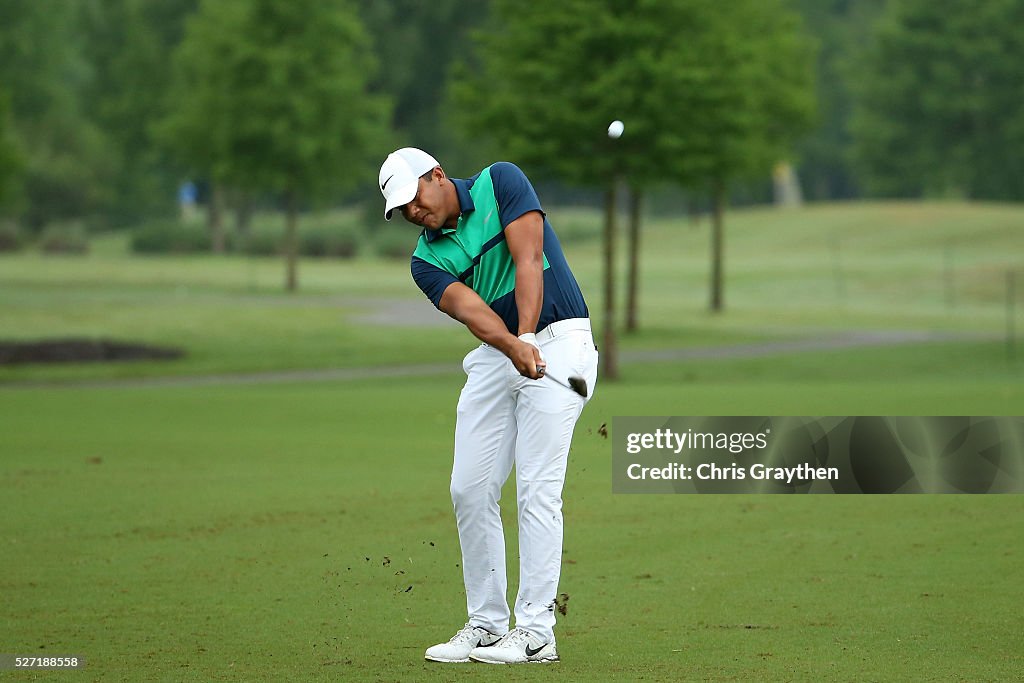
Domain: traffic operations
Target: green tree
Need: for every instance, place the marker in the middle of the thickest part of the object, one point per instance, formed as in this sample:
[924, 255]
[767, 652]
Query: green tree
[708, 91]
[417, 43]
[10, 159]
[128, 44]
[938, 110]
[762, 97]
[547, 85]
[67, 164]
[198, 125]
[841, 28]
[272, 97]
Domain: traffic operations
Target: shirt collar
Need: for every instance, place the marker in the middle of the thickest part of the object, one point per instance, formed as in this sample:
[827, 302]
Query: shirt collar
[465, 206]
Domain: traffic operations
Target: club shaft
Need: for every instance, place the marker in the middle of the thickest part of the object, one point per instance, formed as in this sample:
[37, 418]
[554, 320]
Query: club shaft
[582, 391]
[558, 381]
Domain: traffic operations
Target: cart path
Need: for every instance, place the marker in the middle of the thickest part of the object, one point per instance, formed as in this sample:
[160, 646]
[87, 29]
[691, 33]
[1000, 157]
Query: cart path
[821, 342]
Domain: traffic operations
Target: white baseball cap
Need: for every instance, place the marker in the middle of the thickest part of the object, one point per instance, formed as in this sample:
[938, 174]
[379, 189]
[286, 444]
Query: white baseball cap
[400, 174]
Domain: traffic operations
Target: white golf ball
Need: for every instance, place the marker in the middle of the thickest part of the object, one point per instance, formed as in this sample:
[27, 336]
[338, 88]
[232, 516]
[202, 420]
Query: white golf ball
[615, 128]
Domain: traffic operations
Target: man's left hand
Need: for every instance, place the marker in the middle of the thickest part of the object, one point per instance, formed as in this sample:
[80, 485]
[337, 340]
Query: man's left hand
[527, 358]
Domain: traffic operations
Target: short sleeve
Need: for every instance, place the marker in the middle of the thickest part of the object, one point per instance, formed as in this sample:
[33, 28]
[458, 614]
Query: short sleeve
[513, 191]
[431, 279]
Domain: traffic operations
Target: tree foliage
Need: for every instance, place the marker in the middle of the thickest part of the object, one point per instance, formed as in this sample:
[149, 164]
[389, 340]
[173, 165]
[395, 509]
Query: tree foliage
[709, 92]
[417, 42]
[841, 28]
[66, 164]
[10, 160]
[706, 89]
[271, 96]
[939, 109]
[128, 44]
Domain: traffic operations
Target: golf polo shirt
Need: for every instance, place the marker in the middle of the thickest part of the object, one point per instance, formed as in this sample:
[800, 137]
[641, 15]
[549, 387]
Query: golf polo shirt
[476, 254]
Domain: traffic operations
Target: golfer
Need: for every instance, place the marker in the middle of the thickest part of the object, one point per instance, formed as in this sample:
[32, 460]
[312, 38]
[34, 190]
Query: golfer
[488, 257]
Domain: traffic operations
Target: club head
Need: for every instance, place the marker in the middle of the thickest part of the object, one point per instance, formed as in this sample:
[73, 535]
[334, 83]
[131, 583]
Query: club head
[579, 385]
[576, 383]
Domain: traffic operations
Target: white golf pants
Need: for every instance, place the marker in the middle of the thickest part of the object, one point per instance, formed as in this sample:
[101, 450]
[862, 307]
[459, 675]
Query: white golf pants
[505, 419]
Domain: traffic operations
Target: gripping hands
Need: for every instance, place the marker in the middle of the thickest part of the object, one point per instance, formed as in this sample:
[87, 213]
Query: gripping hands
[527, 358]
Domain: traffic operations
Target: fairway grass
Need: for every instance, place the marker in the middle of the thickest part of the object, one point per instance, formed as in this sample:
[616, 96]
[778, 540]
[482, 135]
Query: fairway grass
[304, 532]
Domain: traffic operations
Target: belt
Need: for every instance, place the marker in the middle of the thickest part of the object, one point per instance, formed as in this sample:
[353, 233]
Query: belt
[563, 326]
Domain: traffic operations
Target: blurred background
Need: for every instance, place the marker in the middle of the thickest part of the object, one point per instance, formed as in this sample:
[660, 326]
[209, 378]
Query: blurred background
[144, 114]
[226, 410]
[254, 129]
[887, 132]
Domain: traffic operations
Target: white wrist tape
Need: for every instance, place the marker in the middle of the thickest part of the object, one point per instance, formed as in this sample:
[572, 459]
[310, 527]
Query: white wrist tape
[530, 338]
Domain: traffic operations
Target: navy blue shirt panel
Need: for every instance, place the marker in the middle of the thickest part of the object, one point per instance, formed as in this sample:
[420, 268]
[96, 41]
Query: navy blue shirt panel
[515, 194]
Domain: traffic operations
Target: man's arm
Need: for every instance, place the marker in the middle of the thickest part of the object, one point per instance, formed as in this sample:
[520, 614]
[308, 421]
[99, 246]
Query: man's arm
[466, 306]
[525, 239]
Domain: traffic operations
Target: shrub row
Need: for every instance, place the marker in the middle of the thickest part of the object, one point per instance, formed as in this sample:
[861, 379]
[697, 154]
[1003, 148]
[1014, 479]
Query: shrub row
[315, 239]
[172, 237]
[64, 239]
[59, 238]
[11, 236]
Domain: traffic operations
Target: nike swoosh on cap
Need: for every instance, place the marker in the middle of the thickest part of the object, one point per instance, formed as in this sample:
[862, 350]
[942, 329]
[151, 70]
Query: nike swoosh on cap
[386, 182]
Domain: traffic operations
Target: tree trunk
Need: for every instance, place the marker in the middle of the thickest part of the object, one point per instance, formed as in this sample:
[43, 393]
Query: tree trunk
[635, 204]
[693, 211]
[215, 217]
[291, 243]
[609, 359]
[717, 238]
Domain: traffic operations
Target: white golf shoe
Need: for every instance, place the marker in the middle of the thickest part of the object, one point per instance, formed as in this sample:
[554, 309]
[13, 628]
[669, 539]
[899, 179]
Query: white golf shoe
[462, 643]
[518, 646]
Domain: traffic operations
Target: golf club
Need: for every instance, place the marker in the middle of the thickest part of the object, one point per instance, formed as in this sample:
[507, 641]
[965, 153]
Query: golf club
[576, 383]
